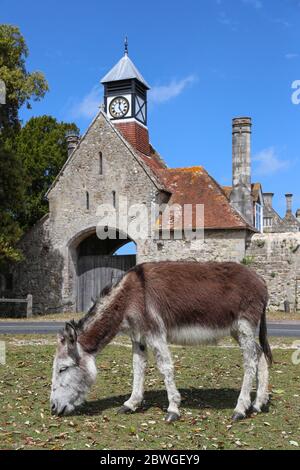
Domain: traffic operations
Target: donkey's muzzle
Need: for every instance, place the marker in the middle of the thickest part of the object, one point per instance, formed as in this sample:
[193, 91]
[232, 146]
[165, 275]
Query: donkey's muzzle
[53, 408]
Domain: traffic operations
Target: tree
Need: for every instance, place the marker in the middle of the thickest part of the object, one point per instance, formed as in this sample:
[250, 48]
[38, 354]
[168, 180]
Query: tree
[21, 86]
[11, 202]
[42, 149]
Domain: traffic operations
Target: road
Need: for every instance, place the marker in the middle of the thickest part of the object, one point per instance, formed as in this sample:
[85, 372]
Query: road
[289, 329]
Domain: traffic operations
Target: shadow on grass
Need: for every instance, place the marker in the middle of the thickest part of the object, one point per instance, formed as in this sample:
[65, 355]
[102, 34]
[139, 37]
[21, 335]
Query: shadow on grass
[222, 398]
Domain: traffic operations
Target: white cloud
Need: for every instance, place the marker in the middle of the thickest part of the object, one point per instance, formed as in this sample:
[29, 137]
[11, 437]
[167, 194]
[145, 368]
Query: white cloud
[224, 19]
[281, 22]
[162, 93]
[88, 107]
[254, 3]
[291, 55]
[268, 162]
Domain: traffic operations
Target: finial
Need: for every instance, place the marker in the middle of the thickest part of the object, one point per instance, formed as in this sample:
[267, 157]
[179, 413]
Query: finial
[126, 46]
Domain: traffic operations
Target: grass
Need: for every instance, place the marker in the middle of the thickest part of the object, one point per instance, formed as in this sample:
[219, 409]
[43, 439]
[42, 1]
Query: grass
[50, 317]
[209, 379]
[283, 316]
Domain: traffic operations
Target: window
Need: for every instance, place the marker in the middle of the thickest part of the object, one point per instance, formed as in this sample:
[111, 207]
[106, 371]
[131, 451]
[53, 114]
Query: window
[268, 221]
[258, 217]
[114, 198]
[100, 163]
[87, 199]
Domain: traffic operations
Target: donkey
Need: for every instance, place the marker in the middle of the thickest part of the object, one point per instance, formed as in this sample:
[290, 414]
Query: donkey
[185, 303]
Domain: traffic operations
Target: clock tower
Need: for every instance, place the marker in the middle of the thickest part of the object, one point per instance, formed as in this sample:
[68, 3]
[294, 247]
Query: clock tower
[125, 102]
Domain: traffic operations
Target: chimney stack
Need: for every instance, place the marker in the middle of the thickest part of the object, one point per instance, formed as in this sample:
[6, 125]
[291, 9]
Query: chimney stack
[289, 202]
[241, 151]
[268, 199]
[241, 167]
[72, 141]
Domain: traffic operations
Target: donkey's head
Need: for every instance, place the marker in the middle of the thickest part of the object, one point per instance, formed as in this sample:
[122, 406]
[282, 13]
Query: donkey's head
[74, 371]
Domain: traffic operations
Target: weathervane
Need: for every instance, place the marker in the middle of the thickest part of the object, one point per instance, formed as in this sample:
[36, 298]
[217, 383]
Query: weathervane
[126, 45]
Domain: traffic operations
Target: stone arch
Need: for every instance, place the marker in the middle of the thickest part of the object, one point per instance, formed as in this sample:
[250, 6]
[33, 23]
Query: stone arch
[94, 265]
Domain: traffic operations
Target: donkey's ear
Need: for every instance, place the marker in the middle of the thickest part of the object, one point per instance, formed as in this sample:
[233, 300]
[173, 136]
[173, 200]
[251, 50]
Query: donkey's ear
[60, 338]
[70, 333]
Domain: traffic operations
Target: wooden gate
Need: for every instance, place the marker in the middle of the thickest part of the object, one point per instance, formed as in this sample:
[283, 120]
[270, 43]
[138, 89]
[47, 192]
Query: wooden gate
[94, 272]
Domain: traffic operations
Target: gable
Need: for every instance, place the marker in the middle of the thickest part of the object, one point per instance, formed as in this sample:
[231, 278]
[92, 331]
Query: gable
[100, 137]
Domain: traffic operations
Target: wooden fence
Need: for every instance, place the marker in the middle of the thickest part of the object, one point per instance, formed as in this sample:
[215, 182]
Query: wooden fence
[28, 301]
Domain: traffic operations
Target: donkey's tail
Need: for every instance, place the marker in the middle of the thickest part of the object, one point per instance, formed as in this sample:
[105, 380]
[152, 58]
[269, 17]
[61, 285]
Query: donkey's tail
[263, 338]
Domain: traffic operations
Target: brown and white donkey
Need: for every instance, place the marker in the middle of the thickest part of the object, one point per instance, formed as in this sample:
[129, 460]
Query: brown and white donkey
[185, 303]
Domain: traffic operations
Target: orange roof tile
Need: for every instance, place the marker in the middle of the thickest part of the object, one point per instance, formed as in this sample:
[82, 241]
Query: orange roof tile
[195, 186]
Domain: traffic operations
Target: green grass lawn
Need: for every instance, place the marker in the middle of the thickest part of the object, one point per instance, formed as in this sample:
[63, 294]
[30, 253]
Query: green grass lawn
[209, 379]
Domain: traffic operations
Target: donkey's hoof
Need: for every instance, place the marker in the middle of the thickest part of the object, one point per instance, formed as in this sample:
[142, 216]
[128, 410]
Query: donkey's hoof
[238, 416]
[263, 409]
[171, 417]
[254, 409]
[125, 410]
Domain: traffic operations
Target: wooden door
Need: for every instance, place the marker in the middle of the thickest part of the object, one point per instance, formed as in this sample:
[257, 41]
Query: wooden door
[94, 272]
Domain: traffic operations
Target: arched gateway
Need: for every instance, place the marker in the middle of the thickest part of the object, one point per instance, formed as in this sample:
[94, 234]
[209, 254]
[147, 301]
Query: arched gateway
[97, 265]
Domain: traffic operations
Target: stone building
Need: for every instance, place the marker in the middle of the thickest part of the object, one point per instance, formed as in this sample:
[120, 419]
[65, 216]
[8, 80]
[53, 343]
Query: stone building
[273, 223]
[67, 264]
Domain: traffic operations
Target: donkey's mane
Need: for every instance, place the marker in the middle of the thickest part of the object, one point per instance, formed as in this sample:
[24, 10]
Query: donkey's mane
[79, 325]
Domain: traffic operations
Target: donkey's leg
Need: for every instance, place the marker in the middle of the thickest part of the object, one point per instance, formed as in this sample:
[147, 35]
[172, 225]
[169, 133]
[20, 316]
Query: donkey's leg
[262, 395]
[246, 337]
[139, 359]
[165, 366]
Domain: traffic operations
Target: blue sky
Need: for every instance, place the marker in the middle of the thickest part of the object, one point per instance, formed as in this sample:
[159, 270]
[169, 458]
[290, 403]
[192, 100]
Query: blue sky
[206, 60]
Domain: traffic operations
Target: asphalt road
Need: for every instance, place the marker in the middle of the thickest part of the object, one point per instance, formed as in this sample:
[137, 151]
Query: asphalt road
[285, 329]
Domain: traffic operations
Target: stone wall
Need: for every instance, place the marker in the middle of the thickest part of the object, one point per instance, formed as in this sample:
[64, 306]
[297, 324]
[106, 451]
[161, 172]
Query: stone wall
[217, 245]
[40, 274]
[276, 257]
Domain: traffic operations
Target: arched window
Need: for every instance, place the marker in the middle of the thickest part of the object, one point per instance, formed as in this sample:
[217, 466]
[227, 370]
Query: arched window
[87, 199]
[100, 163]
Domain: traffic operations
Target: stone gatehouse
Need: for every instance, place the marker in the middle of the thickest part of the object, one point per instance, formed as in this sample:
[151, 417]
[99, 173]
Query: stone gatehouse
[66, 264]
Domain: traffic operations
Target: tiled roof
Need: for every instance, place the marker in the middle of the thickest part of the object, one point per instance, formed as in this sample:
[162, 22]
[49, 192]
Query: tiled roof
[255, 190]
[195, 186]
[153, 160]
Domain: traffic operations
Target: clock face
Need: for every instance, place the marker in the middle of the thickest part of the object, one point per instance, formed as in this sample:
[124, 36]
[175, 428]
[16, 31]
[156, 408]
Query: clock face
[119, 107]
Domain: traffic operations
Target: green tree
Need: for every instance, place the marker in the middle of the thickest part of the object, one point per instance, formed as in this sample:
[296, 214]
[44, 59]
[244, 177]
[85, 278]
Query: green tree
[42, 149]
[21, 86]
[11, 203]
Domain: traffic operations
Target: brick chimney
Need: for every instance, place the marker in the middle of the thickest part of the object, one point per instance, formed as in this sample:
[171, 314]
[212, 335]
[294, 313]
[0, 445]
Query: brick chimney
[289, 203]
[136, 135]
[241, 197]
[72, 141]
[268, 199]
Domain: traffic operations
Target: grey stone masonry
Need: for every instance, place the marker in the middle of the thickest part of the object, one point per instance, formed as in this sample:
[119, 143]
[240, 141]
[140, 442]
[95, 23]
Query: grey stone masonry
[240, 197]
[276, 257]
[290, 222]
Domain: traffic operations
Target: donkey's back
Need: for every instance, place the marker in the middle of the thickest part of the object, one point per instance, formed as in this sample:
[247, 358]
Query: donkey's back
[208, 295]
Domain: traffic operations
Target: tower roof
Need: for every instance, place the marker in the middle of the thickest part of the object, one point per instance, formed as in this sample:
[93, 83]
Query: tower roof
[124, 70]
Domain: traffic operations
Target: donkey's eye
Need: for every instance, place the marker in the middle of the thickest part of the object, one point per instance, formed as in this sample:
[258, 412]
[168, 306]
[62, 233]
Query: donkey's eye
[62, 369]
